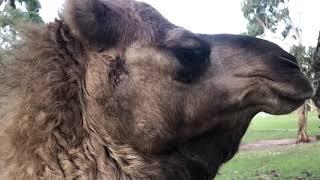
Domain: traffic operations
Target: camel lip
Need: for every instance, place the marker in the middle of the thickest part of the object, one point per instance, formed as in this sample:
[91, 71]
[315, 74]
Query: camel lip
[287, 106]
[285, 101]
[293, 95]
[293, 99]
[301, 97]
[291, 104]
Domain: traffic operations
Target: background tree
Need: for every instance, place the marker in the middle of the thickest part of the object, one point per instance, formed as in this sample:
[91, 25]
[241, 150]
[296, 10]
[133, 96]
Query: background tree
[304, 56]
[264, 16]
[13, 13]
[272, 17]
[316, 70]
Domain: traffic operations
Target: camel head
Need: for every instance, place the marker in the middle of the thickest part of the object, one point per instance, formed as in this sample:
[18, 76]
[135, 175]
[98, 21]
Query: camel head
[169, 92]
[124, 80]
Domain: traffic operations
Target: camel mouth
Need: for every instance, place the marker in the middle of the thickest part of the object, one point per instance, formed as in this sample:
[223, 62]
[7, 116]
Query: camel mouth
[281, 93]
[288, 96]
[281, 105]
[296, 89]
[298, 97]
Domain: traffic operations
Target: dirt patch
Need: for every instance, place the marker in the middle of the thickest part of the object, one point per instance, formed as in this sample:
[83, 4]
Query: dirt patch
[267, 144]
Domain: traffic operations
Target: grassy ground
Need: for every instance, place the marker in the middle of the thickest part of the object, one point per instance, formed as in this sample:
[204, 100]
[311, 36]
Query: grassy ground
[264, 127]
[286, 163]
[290, 162]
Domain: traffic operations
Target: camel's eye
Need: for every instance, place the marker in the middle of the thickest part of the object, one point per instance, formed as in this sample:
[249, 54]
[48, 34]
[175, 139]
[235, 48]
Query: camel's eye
[117, 71]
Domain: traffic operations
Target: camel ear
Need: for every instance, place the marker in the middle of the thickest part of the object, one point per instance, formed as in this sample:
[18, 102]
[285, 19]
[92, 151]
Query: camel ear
[101, 23]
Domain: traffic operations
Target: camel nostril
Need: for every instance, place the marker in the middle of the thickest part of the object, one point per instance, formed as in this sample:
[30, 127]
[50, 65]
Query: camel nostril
[290, 61]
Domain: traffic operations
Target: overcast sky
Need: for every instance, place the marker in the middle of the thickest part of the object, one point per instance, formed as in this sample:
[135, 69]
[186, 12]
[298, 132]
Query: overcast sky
[218, 16]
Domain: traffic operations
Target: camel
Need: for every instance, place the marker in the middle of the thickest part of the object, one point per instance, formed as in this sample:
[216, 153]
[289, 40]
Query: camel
[114, 91]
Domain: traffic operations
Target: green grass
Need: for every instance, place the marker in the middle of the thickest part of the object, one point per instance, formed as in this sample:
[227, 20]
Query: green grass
[286, 162]
[279, 127]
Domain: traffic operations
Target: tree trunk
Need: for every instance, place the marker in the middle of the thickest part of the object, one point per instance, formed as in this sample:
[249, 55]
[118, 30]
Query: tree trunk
[316, 70]
[302, 131]
[12, 4]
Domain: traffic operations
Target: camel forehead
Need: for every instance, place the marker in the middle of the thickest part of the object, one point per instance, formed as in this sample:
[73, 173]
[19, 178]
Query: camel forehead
[149, 55]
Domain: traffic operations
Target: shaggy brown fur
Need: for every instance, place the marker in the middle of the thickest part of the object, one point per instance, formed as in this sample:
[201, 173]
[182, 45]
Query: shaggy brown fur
[115, 91]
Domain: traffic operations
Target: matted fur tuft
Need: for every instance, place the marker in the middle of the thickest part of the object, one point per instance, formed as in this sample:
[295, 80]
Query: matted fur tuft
[54, 127]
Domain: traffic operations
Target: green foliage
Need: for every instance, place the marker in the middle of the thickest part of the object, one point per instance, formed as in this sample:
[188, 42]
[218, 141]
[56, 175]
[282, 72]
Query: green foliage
[304, 57]
[33, 8]
[254, 29]
[286, 163]
[31, 5]
[274, 16]
[10, 17]
[265, 15]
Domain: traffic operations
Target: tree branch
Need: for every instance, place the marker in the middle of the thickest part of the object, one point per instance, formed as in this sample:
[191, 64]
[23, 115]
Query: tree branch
[12, 4]
[261, 23]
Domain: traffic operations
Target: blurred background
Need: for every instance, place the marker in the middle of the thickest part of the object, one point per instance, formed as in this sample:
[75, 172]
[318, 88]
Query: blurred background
[274, 147]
